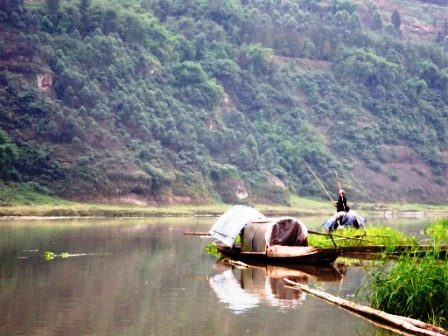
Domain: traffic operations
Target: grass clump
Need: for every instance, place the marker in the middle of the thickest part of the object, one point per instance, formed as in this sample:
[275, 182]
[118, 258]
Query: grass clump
[369, 236]
[29, 193]
[438, 230]
[413, 287]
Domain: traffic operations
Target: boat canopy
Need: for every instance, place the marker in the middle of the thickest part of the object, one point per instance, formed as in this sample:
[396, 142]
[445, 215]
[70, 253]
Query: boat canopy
[285, 231]
[230, 224]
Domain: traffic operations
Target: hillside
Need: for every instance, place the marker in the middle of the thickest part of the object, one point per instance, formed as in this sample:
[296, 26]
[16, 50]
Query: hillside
[171, 101]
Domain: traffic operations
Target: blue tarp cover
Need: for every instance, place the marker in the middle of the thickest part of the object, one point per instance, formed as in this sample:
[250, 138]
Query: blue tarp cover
[346, 218]
[230, 224]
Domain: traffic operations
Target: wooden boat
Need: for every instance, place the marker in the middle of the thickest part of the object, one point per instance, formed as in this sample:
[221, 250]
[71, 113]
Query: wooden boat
[277, 240]
[279, 254]
[284, 240]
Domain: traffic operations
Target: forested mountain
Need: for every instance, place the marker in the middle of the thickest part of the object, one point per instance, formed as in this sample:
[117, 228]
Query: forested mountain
[188, 100]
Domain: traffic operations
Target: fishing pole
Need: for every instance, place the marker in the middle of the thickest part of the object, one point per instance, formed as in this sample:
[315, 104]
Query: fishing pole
[306, 164]
[337, 179]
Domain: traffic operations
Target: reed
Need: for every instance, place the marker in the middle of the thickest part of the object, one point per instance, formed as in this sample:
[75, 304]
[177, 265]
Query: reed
[412, 287]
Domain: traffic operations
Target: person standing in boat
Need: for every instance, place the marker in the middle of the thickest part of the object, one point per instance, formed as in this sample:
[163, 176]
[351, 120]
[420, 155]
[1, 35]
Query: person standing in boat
[341, 204]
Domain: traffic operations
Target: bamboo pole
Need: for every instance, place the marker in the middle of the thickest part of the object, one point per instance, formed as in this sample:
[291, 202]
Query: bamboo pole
[318, 233]
[359, 239]
[337, 235]
[196, 234]
[337, 179]
[357, 236]
[331, 199]
[412, 325]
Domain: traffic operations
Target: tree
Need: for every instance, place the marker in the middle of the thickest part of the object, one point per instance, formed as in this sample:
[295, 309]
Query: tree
[84, 6]
[415, 87]
[390, 30]
[110, 21]
[342, 19]
[396, 20]
[188, 73]
[355, 21]
[8, 155]
[430, 73]
[53, 6]
[377, 21]
[10, 7]
[257, 59]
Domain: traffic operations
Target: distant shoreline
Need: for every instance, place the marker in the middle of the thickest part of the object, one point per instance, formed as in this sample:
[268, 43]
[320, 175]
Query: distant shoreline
[316, 208]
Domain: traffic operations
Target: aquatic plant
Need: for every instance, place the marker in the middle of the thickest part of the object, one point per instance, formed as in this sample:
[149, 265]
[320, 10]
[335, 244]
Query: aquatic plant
[412, 287]
[212, 250]
[362, 237]
[438, 230]
[48, 255]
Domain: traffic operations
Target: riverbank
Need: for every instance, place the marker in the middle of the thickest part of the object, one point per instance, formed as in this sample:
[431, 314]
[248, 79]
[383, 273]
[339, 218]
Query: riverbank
[298, 207]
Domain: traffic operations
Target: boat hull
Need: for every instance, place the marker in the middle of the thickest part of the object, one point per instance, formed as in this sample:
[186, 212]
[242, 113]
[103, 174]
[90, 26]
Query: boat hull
[315, 256]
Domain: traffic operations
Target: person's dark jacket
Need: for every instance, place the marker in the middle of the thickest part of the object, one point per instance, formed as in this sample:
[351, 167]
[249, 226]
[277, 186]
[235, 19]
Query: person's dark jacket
[341, 204]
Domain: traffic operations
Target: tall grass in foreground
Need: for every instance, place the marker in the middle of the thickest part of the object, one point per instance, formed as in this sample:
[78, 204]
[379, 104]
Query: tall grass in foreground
[414, 287]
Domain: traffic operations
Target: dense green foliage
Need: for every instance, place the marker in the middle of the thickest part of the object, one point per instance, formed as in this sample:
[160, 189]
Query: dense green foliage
[197, 99]
[414, 287]
[8, 155]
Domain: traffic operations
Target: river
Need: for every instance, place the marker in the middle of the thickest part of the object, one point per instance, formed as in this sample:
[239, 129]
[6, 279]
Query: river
[142, 276]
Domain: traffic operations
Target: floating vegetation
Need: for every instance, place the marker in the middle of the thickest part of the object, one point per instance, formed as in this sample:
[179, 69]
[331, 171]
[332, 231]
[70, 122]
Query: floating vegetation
[48, 255]
[212, 250]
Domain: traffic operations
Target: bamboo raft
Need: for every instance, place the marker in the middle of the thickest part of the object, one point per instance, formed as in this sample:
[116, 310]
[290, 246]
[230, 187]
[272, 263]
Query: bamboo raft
[393, 322]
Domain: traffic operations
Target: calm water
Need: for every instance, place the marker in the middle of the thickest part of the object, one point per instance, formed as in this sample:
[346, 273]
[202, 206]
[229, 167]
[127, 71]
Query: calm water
[144, 277]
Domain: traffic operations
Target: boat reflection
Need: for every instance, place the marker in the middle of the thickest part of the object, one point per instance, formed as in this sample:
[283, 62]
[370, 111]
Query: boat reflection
[243, 286]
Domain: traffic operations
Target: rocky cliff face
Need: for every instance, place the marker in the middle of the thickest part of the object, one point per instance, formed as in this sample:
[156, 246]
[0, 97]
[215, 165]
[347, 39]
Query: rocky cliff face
[44, 83]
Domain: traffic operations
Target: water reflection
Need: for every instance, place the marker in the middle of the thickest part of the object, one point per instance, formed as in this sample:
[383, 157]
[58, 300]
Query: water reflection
[144, 277]
[243, 287]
